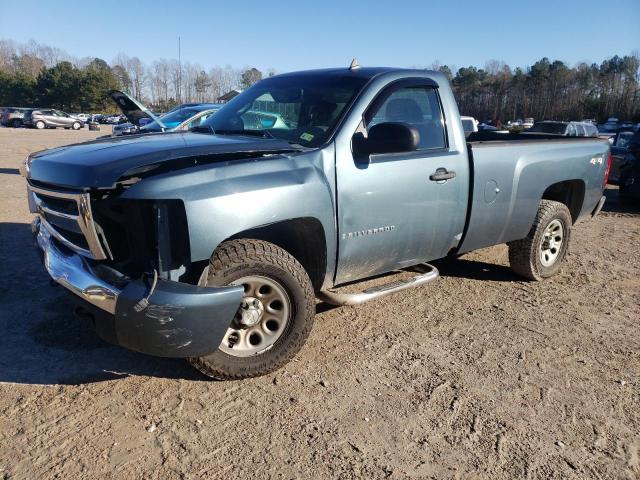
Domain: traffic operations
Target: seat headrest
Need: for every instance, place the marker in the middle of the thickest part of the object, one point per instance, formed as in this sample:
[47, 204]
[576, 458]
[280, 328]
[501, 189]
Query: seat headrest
[403, 110]
[320, 112]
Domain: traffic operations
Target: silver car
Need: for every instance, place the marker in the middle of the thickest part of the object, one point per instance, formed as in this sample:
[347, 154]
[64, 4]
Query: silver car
[50, 118]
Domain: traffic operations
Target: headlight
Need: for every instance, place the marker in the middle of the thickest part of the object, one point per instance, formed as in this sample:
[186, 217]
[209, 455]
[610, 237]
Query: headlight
[25, 168]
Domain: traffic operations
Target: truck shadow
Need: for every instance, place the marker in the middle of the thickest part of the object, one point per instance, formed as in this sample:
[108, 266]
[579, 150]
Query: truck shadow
[44, 342]
[615, 205]
[475, 270]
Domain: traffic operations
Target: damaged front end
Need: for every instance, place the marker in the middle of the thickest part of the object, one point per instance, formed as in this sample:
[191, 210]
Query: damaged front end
[108, 253]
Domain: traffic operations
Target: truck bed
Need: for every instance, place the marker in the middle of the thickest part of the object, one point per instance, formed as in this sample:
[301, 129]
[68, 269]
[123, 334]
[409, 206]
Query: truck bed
[510, 173]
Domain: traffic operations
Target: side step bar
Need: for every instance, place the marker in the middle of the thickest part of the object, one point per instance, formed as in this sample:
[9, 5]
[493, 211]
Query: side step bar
[428, 273]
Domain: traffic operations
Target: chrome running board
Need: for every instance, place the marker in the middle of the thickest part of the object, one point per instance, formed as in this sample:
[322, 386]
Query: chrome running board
[429, 274]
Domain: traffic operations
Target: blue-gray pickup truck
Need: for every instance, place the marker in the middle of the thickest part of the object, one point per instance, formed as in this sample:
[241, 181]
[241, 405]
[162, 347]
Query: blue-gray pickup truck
[215, 244]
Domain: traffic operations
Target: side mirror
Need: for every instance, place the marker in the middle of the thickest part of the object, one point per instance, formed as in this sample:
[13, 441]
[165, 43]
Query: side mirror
[388, 137]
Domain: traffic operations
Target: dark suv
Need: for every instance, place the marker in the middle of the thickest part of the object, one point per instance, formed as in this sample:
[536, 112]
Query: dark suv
[12, 116]
[50, 118]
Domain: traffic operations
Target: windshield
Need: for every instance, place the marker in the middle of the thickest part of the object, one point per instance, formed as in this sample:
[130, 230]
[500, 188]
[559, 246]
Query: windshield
[301, 109]
[467, 125]
[623, 139]
[549, 127]
[607, 128]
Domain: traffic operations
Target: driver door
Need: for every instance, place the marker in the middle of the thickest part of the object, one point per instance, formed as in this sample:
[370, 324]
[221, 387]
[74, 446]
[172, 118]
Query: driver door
[392, 213]
[64, 120]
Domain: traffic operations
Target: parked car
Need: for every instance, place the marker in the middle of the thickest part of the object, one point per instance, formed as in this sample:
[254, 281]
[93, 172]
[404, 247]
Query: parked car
[50, 118]
[100, 118]
[213, 244]
[116, 119]
[469, 124]
[630, 170]
[620, 154]
[179, 118]
[569, 129]
[85, 117]
[155, 126]
[486, 127]
[259, 120]
[12, 116]
[609, 128]
[142, 120]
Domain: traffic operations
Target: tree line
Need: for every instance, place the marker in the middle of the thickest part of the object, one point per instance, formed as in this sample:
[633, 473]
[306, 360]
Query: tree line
[550, 90]
[33, 74]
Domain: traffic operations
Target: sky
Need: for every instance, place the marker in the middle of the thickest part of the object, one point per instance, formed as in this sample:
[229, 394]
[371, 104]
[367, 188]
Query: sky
[291, 35]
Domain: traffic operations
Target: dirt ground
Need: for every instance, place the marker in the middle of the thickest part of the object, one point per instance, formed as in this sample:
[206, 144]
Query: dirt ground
[479, 375]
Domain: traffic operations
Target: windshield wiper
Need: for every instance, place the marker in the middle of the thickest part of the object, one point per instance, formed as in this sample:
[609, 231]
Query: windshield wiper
[250, 133]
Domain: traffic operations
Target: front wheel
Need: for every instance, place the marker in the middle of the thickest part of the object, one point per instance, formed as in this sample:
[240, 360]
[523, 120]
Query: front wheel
[40, 125]
[540, 254]
[76, 125]
[274, 318]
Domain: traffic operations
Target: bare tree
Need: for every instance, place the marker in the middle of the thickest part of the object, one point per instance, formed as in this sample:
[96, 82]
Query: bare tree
[7, 54]
[161, 76]
[136, 74]
[176, 79]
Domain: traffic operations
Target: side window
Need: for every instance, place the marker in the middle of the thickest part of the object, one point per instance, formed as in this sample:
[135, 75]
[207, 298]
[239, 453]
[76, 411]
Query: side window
[571, 130]
[196, 122]
[417, 106]
[581, 130]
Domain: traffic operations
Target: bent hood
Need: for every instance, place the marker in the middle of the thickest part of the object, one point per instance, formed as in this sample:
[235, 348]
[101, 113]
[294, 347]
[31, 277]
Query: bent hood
[132, 109]
[100, 163]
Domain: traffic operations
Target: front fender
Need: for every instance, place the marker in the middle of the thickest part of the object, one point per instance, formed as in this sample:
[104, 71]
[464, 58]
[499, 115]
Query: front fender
[225, 198]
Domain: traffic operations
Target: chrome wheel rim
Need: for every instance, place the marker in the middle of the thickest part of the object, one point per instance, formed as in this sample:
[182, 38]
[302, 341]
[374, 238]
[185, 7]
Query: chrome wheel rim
[261, 319]
[551, 243]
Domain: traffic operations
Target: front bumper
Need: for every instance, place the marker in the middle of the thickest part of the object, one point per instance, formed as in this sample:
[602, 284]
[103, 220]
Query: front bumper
[181, 320]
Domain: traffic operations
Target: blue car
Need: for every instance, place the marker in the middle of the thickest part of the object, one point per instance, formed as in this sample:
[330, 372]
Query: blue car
[175, 117]
[142, 120]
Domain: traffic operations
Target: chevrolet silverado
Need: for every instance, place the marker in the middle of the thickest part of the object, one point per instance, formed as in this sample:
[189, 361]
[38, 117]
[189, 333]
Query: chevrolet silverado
[214, 244]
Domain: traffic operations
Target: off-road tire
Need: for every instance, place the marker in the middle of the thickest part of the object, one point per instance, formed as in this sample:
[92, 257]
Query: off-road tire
[239, 258]
[524, 254]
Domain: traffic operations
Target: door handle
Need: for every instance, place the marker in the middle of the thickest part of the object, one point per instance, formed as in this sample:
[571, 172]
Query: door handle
[442, 175]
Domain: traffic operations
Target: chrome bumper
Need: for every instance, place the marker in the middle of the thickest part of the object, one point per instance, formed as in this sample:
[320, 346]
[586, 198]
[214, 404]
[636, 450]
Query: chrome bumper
[74, 273]
[178, 320]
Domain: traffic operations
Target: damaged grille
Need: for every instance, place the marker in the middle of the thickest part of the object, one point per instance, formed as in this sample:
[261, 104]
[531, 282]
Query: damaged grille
[143, 234]
[68, 217]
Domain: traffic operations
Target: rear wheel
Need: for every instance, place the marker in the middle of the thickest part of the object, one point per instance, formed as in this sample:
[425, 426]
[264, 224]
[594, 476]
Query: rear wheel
[540, 254]
[40, 125]
[275, 316]
[76, 125]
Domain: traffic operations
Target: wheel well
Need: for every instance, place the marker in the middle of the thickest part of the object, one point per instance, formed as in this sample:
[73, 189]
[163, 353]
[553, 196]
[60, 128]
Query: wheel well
[303, 238]
[569, 192]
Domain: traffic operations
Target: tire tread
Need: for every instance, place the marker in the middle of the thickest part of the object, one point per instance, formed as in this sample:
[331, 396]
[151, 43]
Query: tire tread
[240, 252]
[523, 252]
